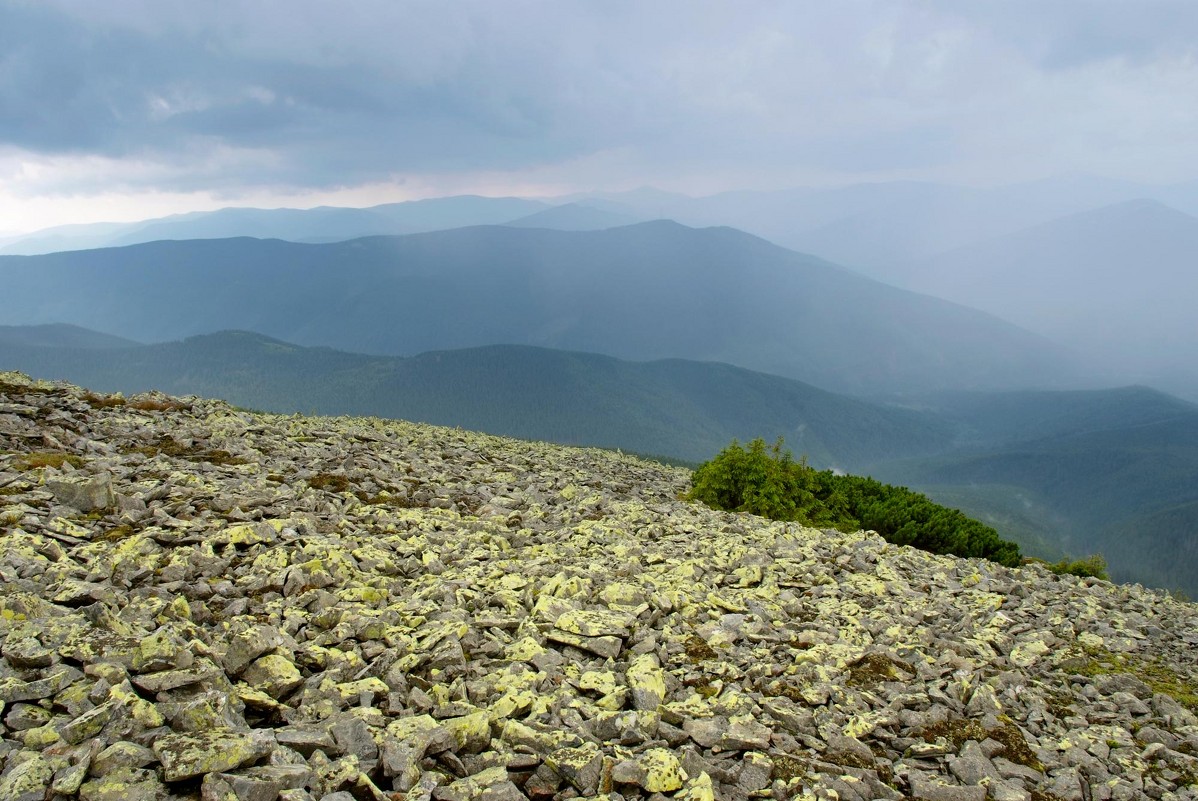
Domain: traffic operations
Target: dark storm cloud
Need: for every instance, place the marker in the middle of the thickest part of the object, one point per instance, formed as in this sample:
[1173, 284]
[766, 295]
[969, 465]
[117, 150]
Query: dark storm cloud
[1066, 34]
[313, 94]
[86, 85]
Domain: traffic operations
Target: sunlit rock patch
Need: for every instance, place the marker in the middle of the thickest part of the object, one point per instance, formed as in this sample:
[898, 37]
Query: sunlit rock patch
[199, 602]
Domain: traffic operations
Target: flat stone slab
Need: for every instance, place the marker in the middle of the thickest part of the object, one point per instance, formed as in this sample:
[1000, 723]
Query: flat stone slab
[186, 756]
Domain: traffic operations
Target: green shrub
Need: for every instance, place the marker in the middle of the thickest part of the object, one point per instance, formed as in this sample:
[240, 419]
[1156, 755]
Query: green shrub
[757, 481]
[769, 482]
[1092, 566]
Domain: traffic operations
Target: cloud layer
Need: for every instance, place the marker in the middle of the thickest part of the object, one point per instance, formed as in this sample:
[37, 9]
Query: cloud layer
[303, 96]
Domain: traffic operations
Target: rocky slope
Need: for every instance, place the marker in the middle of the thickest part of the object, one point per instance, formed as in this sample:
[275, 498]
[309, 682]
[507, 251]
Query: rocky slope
[199, 602]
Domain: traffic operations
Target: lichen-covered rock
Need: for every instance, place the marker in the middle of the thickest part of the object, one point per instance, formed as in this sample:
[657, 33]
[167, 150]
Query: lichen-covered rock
[306, 608]
[657, 770]
[274, 675]
[185, 756]
[162, 650]
[582, 767]
[122, 754]
[27, 780]
[126, 784]
[471, 733]
[646, 680]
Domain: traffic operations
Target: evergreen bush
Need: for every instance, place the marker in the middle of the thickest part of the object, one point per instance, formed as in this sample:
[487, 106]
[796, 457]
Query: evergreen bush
[767, 481]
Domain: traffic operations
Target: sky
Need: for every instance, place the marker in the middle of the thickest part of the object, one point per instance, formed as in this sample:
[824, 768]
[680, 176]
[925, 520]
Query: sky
[130, 109]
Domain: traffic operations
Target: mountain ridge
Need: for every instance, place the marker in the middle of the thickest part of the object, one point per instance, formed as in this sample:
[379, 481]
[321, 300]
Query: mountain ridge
[645, 291]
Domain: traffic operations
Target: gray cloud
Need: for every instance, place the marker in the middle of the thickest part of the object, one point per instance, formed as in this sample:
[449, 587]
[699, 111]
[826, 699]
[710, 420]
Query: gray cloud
[313, 94]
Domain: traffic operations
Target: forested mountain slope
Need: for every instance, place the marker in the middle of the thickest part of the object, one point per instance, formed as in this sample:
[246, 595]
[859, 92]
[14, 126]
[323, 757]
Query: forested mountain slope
[649, 291]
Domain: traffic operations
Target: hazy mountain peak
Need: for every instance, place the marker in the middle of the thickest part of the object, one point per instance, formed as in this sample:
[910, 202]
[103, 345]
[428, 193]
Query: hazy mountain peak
[577, 216]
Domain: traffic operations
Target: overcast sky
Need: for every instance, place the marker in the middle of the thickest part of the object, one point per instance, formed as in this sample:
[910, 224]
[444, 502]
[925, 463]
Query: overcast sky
[126, 109]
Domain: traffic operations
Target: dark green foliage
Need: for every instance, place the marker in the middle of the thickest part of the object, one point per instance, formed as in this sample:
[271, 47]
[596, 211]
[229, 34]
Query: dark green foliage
[767, 481]
[759, 481]
[1093, 566]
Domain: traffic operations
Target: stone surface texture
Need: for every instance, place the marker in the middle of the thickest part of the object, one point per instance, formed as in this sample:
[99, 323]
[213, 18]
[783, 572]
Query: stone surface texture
[201, 602]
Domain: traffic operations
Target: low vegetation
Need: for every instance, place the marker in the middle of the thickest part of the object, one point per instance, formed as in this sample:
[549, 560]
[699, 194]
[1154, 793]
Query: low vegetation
[168, 446]
[767, 481]
[1160, 677]
[1092, 566]
[39, 459]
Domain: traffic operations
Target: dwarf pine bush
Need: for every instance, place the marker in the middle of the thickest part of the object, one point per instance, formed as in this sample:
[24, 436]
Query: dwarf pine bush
[767, 481]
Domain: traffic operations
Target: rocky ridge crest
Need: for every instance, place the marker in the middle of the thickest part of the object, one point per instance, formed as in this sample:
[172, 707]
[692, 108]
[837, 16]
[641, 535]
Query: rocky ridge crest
[202, 602]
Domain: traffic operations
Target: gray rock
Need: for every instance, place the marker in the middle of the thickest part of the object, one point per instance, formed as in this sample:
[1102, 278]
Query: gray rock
[202, 670]
[706, 731]
[306, 738]
[262, 783]
[22, 716]
[849, 751]
[925, 789]
[90, 494]
[120, 755]
[248, 645]
[353, 737]
[745, 735]
[972, 766]
[606, 646]
[1112, 683]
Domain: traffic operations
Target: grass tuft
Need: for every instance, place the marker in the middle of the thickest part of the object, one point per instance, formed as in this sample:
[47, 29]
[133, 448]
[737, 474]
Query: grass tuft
[40, 459]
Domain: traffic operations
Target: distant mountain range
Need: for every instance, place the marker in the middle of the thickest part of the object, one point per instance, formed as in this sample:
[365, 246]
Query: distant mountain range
[1116, 283]
[647, 291]
[1108, 470]
[872, 228]
[576, 217]
[61, 335]
[322, 224]
[681, 409]
[878, 228]
[1094, 264]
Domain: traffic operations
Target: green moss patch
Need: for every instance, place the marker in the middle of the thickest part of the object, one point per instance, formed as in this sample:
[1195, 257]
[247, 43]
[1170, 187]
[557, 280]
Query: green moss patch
[39, 459]
[1156, 674]
[958, 731]
[114, 534]
[330, 482]
[873, 669]
[697, 649]
[169, 446]
[787, 767]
